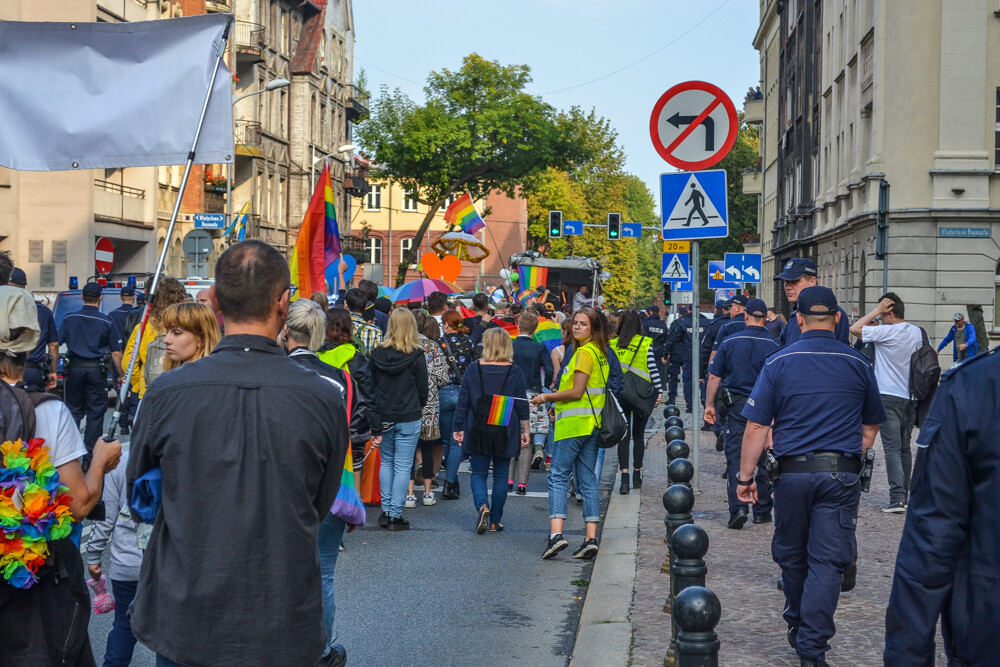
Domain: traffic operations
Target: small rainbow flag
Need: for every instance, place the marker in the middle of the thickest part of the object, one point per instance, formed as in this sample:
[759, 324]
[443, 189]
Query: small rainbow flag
[548, 333]
[462, 212]
[348, 505]
[524, 295]
[318, 243]
[533, 276]
[507, 326]
[500, 411]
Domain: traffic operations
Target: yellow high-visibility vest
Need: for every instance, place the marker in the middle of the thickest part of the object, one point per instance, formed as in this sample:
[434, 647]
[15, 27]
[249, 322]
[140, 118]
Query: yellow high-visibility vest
[339, 356]
[583, 416]
[634, 357]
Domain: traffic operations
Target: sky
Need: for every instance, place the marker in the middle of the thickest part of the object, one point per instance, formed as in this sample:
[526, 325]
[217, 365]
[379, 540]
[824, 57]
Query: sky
[615, 56]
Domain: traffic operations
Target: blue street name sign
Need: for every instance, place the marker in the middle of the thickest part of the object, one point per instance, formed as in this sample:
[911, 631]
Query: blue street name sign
[209, 221]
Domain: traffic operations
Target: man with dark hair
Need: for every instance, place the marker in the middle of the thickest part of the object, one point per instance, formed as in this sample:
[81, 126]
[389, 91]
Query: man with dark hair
[269, 473]
[371, 292]
[437, 303]
[477, 323]
[800, 273]
[119, 314]
[369, 334]
[43, 362]
[895, 342]
[6, 267]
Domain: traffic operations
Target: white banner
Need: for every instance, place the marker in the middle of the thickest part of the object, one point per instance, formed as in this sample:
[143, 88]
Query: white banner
[98, 95]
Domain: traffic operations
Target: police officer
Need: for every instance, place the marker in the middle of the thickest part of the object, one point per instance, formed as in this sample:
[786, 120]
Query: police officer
[679, 349]
[949, 555]
[656, 329]
[798, 274]
[89, 334]
[825, 407]
[735, 324]
[119, 314]
[40, 371]
[737, 364]
[717, 322]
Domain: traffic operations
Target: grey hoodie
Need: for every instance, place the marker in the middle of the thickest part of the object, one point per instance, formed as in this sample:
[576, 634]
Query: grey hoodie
[126, 557]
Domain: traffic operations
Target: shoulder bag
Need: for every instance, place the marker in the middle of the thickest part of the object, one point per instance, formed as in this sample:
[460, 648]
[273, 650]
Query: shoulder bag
[639, 394]
[614, 426]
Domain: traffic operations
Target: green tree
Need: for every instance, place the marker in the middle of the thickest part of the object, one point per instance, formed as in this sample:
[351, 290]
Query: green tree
[477, 131]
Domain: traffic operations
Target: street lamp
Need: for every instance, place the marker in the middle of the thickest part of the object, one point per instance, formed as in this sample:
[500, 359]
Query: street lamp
[346, 148]
[273, 84]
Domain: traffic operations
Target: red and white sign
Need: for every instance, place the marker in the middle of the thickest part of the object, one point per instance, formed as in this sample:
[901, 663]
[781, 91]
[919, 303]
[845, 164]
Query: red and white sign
[104, 256]
[693, 125]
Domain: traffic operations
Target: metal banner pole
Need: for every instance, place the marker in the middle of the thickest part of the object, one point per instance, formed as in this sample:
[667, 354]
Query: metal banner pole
[695, 367]
[151, 291]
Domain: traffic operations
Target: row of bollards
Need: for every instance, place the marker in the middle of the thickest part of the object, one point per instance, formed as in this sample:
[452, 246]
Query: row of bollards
[694, 610]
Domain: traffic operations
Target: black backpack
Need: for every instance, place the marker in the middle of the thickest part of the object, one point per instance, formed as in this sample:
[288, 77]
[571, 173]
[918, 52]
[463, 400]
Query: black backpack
[487, 439]
[925, 371]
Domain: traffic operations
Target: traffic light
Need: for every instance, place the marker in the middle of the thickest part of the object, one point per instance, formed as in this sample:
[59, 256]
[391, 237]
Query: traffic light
[614, 226]
[555, 224]
[666, 294]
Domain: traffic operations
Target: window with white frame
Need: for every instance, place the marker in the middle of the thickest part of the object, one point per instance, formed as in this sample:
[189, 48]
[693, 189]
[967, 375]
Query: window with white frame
[373, 200]
[374, 247]
[404, 246]
[448, 202]
[410, 199]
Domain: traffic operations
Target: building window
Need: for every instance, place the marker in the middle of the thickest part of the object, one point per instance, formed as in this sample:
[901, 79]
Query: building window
[373, 200]
[410, 200]
[374, 247]
[404, 246]
[448, 202]
[282, 113]
[996, 133]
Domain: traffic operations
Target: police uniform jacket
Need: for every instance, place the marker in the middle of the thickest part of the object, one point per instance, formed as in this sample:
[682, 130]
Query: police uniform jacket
[656, 329]
[792, 333]
[88, 333]
[740, 358]
[48, 334]
[119, 315]
[733, 326]
[819, 393]
[949, 556]
[679, 337]
[708, 340]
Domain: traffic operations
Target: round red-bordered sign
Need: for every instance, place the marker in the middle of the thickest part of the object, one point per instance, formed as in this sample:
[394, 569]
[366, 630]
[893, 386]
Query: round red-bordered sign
[685, 125]
[104, 256]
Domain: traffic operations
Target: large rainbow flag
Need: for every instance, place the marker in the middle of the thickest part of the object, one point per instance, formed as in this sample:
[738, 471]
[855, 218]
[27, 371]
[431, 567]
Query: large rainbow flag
[533, 276]
[462, 212]
[318, 243]
[548, 333]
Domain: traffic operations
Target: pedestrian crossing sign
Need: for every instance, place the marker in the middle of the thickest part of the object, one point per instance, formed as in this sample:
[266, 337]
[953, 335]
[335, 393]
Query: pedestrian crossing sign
[694, 204]
[676, 267]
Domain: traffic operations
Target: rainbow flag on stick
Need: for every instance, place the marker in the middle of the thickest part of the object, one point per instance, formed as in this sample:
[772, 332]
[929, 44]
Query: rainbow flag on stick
[462, 212]
[548, 334]
[318, 243]
[524, 295]
[500, 411]
[533, 276]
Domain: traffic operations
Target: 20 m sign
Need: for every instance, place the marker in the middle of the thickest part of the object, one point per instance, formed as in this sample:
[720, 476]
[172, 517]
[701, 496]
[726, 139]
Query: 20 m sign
[693, 125]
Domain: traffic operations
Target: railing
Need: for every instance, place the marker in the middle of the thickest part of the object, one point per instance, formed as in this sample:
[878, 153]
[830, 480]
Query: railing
[248, 133]
[357, 103]
[115, 188]
[356, 181]
[355, 247]
[249, 37]
[215, 203]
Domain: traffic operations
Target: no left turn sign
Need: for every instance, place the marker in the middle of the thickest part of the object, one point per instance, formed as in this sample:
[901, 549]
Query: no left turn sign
[693, 125]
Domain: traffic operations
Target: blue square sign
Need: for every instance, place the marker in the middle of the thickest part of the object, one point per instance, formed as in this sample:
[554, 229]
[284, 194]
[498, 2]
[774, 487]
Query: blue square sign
[743, 268]
[717, 278]
[694, 205]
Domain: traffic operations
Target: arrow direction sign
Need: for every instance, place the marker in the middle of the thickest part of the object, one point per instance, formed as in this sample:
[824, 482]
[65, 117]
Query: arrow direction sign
[734, 272]
[572, 227]
[744, 268]
[631, 230]
[677, 120]
[717, 277]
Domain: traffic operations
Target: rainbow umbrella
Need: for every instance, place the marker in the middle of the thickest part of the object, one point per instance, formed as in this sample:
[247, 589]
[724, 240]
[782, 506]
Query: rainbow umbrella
[418, 290]
[387, 292]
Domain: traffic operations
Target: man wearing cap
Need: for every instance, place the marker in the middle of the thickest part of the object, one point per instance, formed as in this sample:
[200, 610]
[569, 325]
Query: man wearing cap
[736, 364]
[735, 324]
[88, 335]
[962, 336]
[820, 428]
[679, 349]
[40, 371]
[119, 314]
[798, 274]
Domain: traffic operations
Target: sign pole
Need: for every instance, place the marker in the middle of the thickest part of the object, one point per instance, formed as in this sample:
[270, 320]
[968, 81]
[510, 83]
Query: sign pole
[695, 368]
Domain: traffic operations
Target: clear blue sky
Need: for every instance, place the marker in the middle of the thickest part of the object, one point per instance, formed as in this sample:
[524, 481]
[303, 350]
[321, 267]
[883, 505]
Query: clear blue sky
[568, 43]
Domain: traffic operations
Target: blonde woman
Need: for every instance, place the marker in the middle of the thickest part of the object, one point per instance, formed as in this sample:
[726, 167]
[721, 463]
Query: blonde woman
[399, 372]
[168, 292]
[191, 333]
[493, 375]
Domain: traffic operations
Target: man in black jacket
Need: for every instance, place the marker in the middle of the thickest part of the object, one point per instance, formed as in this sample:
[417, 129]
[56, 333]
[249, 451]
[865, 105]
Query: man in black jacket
[679, 344]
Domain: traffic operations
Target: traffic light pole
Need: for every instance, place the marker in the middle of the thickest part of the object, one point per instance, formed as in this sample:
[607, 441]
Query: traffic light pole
[695, 369]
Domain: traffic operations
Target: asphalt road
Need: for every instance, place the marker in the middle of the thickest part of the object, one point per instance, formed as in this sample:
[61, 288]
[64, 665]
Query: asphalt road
[441, 594]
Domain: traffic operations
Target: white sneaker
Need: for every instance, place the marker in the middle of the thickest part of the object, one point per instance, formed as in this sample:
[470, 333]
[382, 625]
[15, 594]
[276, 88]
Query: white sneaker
[429, 499]
[411, 501]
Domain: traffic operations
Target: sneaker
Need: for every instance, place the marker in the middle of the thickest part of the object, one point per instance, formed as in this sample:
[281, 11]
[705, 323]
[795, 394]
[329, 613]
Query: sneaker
[548, 463]
[398, 523]
[483, 523]
[411, 502]
[894, 508]
[536, 460]
[522, 490]
[337, 657]
[554, 546]
[429, 499]
[587, 550]
[510, 485]
[383, 519]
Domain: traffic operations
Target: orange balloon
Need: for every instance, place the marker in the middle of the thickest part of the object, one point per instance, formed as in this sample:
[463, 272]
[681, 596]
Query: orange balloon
[446, 268]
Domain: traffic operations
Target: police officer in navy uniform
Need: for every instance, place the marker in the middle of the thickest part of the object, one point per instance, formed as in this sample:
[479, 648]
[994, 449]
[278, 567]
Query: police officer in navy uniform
[679, 349]
[89, 334]
[735, 324]
[798, 274]
[120, 314]
[736, 366]
[821, 399]
[656, 329]
[949, 555]
[40, 371]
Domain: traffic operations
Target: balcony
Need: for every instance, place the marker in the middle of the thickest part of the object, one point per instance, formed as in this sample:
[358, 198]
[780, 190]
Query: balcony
[753, 112]
[355, 247]
[357, 104]
[218, 6]
[119, 202]
[249, 138]
[215, 202]
[356, 181]
[249, 42]
[752, 182]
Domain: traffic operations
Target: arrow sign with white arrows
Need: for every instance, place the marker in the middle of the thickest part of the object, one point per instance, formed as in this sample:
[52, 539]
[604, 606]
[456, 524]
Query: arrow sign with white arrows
[744, 268]
[677, 120]
[735, 273]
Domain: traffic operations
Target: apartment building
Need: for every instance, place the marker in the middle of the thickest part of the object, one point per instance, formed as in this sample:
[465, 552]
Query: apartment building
[860, 91]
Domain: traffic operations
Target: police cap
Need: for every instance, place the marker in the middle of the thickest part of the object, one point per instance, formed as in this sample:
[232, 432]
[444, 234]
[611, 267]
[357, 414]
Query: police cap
[817, 301]
[796, 268]
[683, 310]
[722, 303]
[128, 290]
[18, 278]
[92, 290]
[756, 308]
[739, 300]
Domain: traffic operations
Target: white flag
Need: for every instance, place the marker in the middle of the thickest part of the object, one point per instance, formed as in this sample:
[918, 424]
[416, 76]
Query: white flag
[93, 95]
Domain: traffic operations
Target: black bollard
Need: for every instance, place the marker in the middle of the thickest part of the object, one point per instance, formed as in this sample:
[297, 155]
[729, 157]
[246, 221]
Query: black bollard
[678, 500]
[697, 611]
[689, 544]
[674, 421]
[680, 471]
[671, 411]
[677, 449]
[674, 433]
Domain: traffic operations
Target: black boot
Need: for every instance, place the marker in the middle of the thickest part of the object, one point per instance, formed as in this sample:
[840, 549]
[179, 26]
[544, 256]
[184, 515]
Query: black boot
[624, 488]
[450, 491]
[636, 479]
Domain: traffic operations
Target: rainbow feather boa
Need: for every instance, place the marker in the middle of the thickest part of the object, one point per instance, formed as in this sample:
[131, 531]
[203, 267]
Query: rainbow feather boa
[34, 510]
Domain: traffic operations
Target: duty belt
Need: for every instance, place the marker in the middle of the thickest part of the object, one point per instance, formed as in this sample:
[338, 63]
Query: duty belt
[819, 462]
[79, 362]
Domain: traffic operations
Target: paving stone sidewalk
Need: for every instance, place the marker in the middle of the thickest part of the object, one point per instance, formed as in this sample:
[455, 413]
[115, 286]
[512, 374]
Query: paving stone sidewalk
[744, 576]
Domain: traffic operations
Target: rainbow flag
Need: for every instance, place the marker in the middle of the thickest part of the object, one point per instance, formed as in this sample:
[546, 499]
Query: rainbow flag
[348, 505]
[500, 411]
[462, 212]
[548, 333]
[524, 295]
[509, 327]
[533, 276]
[318, 243]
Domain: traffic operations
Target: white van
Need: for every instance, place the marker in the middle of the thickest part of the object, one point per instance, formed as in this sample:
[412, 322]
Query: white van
[194, 285]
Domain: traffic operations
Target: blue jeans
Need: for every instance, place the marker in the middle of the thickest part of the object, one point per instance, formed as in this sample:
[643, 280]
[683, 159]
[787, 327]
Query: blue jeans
[399, 444]
[121, 641]
[480, 467]
[580, 456]
[448, 401]
[331, 532]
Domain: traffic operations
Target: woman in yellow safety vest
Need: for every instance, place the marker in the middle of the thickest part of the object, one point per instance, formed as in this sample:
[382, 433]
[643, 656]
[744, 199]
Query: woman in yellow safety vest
[578, 405]
[637, 357]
